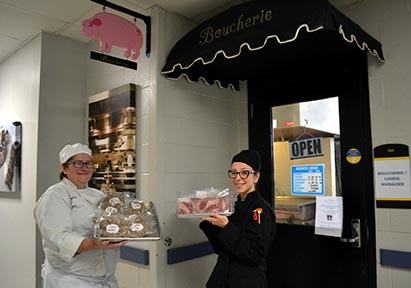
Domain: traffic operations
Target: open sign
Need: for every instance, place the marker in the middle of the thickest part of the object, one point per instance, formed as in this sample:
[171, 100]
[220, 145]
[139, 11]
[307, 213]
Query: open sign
[311, 147]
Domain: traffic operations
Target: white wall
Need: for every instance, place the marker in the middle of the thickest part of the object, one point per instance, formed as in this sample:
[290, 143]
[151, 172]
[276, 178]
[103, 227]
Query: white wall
[62, 116]
[390, 23]
[19, 96]
[176, 121]
[42, 86]
[199, 129]
[186, 136]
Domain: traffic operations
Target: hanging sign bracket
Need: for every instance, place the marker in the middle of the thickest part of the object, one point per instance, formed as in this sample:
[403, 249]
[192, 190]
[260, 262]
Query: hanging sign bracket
[146, 19]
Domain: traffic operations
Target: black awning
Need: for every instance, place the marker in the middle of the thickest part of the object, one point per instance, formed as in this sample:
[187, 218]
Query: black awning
[266, 37]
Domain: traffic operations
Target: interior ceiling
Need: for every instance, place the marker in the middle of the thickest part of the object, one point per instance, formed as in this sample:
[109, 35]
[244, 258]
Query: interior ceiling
[21, 20]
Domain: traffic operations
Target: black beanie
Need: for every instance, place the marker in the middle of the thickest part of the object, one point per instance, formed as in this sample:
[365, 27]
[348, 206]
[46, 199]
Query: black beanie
[249, 157]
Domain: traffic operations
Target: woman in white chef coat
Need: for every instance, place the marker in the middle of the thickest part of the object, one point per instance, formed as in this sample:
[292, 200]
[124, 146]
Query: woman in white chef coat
[64, 217]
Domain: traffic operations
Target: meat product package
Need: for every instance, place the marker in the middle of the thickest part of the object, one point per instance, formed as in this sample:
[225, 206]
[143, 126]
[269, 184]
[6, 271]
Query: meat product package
[121, 217]
[204, 202]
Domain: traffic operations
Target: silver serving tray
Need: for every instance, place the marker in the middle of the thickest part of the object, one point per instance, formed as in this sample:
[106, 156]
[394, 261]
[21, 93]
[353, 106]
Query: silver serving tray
[153, 235]
[199, 215]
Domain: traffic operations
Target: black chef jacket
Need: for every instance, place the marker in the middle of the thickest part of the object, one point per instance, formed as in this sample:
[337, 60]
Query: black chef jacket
[243, 245]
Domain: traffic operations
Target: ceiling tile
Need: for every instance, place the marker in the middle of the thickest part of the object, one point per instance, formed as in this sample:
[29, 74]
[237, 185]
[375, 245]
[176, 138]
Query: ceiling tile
[63, 10]
[21, 25]
[7, 45]
[20, 20]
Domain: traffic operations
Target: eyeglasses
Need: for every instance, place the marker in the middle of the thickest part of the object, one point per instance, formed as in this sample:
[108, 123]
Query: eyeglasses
[243, 174]
[81, 164]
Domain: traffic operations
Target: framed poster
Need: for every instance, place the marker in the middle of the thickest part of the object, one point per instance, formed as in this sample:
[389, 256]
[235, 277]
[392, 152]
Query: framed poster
[112, 138]
[10, 157]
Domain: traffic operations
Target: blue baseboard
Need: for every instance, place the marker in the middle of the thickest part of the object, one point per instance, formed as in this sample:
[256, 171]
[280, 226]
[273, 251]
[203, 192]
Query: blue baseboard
[135, 255]
[394, 258]
[177, 255]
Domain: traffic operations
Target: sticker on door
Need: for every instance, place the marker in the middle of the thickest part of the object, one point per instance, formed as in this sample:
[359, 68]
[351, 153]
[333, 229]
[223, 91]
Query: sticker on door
[353, 156]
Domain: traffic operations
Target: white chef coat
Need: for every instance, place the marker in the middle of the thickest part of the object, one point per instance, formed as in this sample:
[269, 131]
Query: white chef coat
[64, 217]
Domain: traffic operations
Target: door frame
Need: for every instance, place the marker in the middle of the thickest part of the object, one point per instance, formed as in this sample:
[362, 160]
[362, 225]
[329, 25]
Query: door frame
[350, 80]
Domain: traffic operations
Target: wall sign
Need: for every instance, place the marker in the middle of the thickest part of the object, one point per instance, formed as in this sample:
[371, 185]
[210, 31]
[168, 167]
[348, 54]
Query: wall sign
[307, 179]
[311, 147]
[392, 176]
[112, 30]
[113, 60]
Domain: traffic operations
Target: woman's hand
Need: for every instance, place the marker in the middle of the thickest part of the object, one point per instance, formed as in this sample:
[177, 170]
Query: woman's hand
[93, 244]
[105, 244]
[216, 219]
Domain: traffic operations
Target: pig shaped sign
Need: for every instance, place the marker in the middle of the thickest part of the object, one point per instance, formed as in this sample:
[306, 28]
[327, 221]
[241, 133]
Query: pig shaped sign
[110, 30]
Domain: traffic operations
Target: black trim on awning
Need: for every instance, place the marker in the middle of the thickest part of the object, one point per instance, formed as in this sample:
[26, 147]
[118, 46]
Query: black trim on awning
[266, 37]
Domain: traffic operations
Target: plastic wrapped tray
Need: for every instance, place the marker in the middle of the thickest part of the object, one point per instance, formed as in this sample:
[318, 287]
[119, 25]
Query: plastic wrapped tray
[147, 224]
[199, 215]
[204, 202]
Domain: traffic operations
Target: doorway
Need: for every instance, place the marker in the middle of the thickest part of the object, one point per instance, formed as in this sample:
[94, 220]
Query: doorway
[301, 258]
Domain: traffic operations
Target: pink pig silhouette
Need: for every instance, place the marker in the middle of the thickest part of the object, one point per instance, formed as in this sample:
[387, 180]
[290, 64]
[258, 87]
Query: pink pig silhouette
[110, 30]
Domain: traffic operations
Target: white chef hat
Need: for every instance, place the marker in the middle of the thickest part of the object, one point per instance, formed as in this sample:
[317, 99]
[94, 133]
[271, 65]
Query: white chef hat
[70, 150]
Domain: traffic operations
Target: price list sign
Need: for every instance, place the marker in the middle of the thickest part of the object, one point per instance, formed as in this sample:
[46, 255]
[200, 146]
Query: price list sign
[307, 179]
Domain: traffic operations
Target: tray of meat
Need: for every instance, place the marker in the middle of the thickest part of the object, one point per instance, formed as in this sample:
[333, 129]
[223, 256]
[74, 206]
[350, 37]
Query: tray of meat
[204, 202]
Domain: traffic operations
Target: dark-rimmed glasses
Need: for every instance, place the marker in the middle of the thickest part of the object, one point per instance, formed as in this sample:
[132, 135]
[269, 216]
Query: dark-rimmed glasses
[243, 174]
[81, 164]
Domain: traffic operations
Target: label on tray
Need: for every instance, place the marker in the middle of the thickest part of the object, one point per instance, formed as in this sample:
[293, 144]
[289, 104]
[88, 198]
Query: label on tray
[137, 227]
[112, 228]
[135, 206]
[111, 210]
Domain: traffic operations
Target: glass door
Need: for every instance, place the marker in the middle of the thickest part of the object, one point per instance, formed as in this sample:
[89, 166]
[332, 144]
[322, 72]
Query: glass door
[306, 150]
[297, 167]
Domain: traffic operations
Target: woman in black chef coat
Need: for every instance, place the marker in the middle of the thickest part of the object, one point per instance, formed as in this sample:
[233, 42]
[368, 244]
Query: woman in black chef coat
[242, 240]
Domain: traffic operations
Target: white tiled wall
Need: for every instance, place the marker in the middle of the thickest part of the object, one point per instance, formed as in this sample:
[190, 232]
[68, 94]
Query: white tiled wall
[186, 136]
[390, 23]
[190, 131]
[202, 127]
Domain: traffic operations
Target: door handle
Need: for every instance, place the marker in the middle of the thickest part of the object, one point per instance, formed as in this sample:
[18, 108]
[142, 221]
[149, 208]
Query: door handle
[356, 234]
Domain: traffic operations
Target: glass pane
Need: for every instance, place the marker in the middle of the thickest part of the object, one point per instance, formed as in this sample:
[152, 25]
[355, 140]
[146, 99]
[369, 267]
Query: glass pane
[306, 153]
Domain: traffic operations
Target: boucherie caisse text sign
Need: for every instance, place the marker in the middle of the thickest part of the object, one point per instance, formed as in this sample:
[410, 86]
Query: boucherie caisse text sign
[305, 148]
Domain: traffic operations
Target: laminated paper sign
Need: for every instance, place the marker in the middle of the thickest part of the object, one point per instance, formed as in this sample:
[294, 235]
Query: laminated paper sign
[329, 216]
[307, 179]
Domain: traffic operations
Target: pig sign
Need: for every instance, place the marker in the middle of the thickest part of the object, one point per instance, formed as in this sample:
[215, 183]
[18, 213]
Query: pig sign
[110, 30]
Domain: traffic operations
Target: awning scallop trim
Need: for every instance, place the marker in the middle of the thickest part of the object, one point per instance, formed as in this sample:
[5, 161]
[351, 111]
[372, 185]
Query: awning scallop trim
[362, 46]
[247, 45]
[188, 60]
